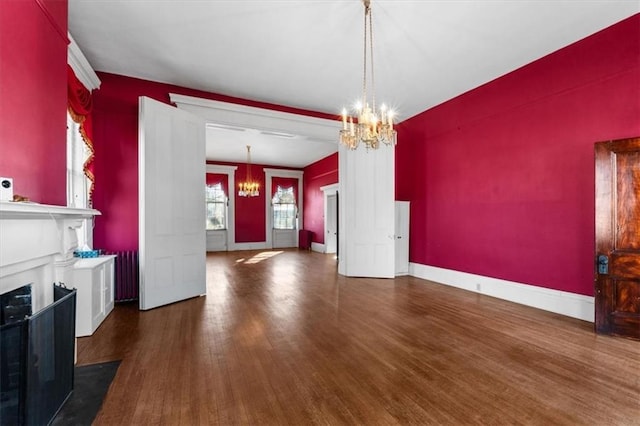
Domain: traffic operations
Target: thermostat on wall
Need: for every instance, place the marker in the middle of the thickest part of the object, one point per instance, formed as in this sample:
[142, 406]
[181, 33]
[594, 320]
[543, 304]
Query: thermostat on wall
[6, 189]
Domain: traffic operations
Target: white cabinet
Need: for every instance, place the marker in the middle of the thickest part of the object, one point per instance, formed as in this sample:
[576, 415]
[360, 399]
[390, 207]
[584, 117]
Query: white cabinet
[402, 237]
[93, 278]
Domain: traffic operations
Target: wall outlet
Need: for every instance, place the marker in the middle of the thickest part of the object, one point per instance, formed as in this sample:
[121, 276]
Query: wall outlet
[6, 189]
[478, 287]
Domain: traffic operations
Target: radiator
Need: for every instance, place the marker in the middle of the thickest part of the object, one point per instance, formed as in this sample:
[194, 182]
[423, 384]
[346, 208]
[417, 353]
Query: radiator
[126, 279]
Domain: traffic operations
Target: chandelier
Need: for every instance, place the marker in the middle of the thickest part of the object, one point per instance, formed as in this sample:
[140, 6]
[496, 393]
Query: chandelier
[373, 127]
[248, 188]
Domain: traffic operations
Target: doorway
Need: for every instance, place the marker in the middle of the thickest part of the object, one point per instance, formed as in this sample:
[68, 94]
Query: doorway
[330, 218]
[331, 231]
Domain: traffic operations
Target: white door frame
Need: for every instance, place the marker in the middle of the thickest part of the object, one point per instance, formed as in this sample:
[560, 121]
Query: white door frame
[231, 211]
[284, 173]
[328, 190]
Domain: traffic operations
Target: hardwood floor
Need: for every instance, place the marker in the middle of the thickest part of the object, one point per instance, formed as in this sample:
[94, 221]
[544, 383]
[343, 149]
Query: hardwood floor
[281, 338]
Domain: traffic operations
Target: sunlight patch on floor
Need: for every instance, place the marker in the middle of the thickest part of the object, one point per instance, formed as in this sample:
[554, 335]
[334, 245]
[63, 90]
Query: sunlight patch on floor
[262, 256]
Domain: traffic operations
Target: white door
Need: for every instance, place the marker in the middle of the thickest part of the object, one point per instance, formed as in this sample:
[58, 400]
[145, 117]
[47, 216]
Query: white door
[402, 237]
[366, 240]
[331, 234]
[172, 237]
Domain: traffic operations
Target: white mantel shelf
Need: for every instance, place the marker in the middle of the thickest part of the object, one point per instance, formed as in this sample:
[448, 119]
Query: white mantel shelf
[36, 246]
[26, 210]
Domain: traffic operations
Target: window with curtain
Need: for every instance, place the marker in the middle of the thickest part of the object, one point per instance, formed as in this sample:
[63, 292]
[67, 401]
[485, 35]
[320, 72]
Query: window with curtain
[216, 200]
[77, 154]
[284, 208]
[80, 153]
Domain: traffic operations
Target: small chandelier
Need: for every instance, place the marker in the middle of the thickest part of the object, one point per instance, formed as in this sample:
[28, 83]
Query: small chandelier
[372, 128]
[248, 188]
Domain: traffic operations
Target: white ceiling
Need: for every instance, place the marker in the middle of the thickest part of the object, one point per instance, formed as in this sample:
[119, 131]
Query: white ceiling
[308, 53]
[286, 149]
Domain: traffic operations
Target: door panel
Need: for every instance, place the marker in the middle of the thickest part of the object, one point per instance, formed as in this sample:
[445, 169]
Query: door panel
[171, 149]
[618, 238]
[284, 238]
[402, 237]
[217, 240]
[627, 200]
[331, 238]
[366, 209]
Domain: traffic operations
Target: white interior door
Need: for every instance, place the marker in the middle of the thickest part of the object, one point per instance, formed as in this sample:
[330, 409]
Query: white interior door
[367, 243]
[172, 237]
[331, 231]
[402, 237]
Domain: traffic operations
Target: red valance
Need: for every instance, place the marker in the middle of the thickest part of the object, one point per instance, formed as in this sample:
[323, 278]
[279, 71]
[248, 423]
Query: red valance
[219, 178]
[80, 103]
[80, 100]
[285, 183]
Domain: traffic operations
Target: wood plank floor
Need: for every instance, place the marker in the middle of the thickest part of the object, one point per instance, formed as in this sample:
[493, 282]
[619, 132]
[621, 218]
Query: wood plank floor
[281, 338]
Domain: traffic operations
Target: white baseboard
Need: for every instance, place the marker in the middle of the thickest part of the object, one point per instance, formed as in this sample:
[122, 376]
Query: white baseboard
[317, 247]
[560, 302]
[248, 246]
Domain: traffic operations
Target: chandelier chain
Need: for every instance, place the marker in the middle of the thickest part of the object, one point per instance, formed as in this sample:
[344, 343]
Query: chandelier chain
[364, 63]
[248, 188]
[249, 178]
[373, 81]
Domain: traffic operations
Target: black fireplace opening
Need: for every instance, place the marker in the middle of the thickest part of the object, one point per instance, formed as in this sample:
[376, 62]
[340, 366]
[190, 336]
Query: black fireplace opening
[36, 355]
[15, 305]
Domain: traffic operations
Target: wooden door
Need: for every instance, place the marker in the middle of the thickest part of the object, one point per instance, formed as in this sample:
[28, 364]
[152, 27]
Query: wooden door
[617, 260]
[172, 240]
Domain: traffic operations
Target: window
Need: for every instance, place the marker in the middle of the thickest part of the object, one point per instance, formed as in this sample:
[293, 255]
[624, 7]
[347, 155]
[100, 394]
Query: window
[77, 153]
[284, 208]
[216, 207]
[77, 182]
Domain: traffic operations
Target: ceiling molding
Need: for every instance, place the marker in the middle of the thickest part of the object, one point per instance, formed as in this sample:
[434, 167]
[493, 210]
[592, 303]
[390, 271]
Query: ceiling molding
[283, 173]
[262, 119]
[221, 169]
[81, 66]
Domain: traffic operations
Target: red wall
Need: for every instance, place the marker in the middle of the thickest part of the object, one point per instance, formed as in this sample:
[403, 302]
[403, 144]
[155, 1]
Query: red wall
[250, 211]
[33, 98]
[316, 175]
[501, 179]
[115, 117]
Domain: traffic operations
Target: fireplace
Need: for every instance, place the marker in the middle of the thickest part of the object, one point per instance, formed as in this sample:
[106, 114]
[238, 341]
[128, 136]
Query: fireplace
[36, 357]
[15, 305]
[36, 250]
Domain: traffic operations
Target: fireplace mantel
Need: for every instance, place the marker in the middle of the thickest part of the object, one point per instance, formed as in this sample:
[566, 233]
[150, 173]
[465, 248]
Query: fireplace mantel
[13, 210]
[37, 242]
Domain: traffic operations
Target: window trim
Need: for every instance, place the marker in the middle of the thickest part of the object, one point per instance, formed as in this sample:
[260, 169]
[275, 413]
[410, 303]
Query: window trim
[224, 202]
[231, 208]
[78, 183]
[294, 204]
[286, 173]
